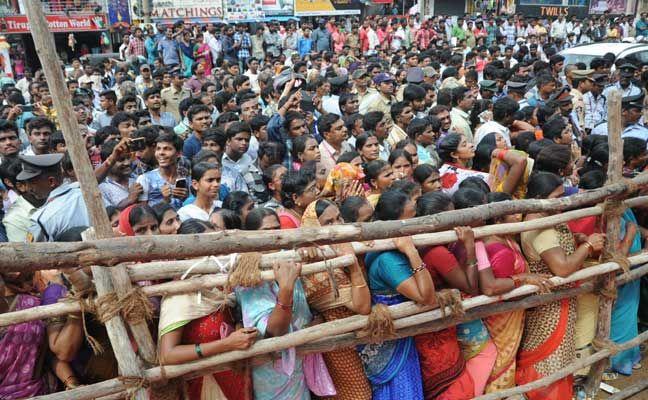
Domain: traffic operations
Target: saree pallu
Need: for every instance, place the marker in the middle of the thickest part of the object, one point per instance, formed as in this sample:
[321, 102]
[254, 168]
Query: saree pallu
[478, 350]
[21, 345]
[548, 339]
[506, 328]
[443, 368]
[624, 325]
[392, 366]
[499, 172]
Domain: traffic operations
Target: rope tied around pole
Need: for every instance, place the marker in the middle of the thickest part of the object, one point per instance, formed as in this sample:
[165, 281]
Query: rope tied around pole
[86, 303]
[450, 298]
[246, 272]
[380, 325]
[606, 344]
[135, 307]
[134, 384]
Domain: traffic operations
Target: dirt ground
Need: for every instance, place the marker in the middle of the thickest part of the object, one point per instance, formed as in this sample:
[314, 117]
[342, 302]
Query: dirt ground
[625, 381]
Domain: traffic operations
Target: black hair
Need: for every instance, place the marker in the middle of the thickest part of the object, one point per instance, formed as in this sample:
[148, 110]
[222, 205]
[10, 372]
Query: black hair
[195, 109]
[504, 107]
[195, 226]
[292, 116]
[423, 172]
[236, 128]
[347, 157]
[149, 134]
[553, 158]
[235, 201]
[111, 211]
[523, 140]
[129, 98]
[536, 147]
[325, 122]
[413, 92]
[321, 205]
[373, 169]
[432, 203]
[405, 186]
[391, 205]
[484, 151]
[475, 182]
[259, 121]
[9, 169]
[254, 219]
[139, 212]
[398, 153]
[199, 169]
[597, 159]
[160, 209]
[371, 120]
[419, 125]
[467, 198]
[361, 140]
[268, 174]
[170, 138]
[544, 113]
[8, 126]
[40, 122]
[71, 234]
[294, 183]
[103, 133]
[350, 207]
[122, 116]
[109, 95]
[553, 128]
[448, 145]
[299, 145]
[231, 219]
[593, 179]
[221, 98]
[541, 184]
[632, 148]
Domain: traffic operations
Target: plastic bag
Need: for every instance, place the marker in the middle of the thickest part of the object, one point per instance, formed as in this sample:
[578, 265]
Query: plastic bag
[317, 376]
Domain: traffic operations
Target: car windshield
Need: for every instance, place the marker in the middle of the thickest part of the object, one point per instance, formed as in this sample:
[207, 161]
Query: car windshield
[578, 58]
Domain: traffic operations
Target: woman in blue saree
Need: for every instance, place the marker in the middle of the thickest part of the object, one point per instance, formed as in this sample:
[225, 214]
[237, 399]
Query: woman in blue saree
[395, 277]
[626, 306]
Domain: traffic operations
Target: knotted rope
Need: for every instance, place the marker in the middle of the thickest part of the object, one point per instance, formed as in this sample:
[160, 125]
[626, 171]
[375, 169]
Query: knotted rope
[246, 272]
[605, 344]
[380, 325]
[86, 303]
[450, 298]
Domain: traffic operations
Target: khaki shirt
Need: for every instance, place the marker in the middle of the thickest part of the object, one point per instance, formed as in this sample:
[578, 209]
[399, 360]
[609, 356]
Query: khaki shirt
[376, 102]
[396, 134]
[461, 123]
[171, 99]
[17, 221]
[579, 106]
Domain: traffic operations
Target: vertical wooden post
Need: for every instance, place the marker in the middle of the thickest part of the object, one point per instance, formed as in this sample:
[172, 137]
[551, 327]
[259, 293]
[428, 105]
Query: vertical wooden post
[44, 43]
[613, 228]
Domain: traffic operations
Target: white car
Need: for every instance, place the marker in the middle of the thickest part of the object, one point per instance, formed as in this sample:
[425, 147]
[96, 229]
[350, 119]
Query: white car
[636, 52]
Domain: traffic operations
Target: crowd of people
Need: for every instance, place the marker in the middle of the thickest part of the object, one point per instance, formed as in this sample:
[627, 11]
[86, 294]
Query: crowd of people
[200, 129]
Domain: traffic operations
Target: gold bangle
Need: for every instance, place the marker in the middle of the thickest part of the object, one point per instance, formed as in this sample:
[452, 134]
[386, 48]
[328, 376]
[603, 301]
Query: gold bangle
[590, 247]
[364, 285]
[73, 316]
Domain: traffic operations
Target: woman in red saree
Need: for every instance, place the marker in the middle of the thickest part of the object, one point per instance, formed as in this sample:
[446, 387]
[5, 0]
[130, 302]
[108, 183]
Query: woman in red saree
[197, 325]
[443, 367]
[508, 269]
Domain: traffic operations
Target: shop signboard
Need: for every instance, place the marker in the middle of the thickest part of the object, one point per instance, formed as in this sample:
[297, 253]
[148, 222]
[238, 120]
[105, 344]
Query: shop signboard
[327, 7]
[56, 23]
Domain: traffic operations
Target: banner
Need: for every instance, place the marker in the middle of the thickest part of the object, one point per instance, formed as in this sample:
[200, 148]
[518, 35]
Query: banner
[118, 13]
[169, 11]
[57, 23]
[327, 7]
[615, 7]
[278, 7]
[240, 10]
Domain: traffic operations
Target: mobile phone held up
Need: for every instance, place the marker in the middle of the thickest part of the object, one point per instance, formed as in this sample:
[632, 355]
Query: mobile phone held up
[137, 144]
[181, 183]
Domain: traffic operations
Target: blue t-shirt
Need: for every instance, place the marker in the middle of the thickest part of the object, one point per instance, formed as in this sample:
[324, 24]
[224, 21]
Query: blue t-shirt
[191, 146]
[152, 183]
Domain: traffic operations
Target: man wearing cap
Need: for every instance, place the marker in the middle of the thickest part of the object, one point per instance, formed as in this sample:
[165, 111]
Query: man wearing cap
[383, 99]
[582, 83]
[33, 183]
[144, 80]
[595, 102]
[631, 112]
[487, 89]
[174, 94]
[361, 84]
[563, 99]
[516, 89]
[61, 205]
[625, 85]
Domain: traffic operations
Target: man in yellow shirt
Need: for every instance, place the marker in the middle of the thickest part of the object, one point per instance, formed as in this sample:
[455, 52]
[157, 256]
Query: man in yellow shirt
[383, 98]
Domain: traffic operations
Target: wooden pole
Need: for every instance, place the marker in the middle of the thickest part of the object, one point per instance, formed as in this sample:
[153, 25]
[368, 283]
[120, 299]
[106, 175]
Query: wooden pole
[613, 229]
[146, 248]
[630, 391]
[44, 43]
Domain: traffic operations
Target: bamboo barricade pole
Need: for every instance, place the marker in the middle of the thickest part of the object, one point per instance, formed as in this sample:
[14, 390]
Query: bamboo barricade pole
[44, 43]
[26, 257]
[170, 269]
[630, 391]
[327, 341]
[612, 218]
